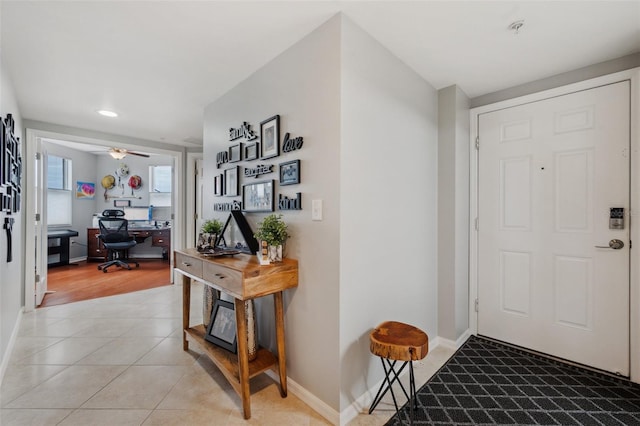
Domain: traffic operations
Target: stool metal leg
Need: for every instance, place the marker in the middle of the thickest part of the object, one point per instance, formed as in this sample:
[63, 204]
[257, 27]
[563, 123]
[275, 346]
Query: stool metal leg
[388, 380]
[382, 391]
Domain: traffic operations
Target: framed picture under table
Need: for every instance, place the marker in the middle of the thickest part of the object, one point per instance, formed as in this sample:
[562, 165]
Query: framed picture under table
[258, 196]
[222, 326]
[270, 137]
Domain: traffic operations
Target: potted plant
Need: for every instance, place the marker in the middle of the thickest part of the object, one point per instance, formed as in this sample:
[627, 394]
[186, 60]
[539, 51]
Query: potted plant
[208, 234]
[273, 231]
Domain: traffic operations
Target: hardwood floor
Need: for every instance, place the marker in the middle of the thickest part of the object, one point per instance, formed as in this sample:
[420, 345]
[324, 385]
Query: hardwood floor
[82, 282]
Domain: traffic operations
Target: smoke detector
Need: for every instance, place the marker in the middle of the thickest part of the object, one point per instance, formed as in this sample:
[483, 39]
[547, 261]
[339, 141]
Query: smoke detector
[515, 26]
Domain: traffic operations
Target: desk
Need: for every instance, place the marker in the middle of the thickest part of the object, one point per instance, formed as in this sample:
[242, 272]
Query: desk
[243, 278]
[62, 248]
[160, 237]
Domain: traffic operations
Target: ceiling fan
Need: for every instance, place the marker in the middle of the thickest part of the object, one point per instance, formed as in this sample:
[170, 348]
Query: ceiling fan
[120, 153]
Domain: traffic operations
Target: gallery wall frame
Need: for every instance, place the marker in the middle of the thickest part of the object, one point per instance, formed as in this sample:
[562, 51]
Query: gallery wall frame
[235, 153]
[222, 326]
[251, 151]
[258, 196]
[232, 182]
[270, 137]
[218, 186]
[290, 172]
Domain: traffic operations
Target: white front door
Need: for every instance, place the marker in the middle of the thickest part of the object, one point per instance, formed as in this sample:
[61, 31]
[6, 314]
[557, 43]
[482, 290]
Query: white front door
[549, 173]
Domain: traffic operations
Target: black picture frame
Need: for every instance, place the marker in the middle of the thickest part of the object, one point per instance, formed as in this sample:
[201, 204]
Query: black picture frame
[217, 185]
[235, 153]
[290, 172]
[270, 137]
[232, 182]
[251, 151]
[237, 222]
[3, 149]
[258, 196]
[222, 326]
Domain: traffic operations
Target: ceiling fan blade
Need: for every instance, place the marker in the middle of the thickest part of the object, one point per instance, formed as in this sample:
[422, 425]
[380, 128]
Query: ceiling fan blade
[138, 154]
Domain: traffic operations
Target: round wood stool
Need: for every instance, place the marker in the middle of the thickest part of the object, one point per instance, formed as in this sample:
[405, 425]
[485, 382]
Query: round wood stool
[395, 341]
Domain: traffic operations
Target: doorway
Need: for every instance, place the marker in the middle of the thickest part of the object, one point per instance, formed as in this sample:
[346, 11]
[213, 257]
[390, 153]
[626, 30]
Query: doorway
[548, 171]
[549, 174]
[36, 239]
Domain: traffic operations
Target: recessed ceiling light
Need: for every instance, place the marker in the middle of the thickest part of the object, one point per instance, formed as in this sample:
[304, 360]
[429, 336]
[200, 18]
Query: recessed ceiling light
[107, 113]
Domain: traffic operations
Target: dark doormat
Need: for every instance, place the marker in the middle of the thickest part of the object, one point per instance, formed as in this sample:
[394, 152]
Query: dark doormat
[485, 382]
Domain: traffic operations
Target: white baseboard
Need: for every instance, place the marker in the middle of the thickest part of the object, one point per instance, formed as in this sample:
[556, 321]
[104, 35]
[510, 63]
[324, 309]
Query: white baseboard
[12, 341]
[308, 398]
[457, 343]
[362, 404]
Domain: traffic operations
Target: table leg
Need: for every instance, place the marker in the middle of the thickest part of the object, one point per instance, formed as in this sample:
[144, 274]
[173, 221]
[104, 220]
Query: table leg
[186, 309]
[282, 357]
[243, 357]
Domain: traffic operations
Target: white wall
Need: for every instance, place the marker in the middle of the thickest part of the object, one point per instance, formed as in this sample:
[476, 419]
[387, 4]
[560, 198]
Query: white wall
[301, 85]
[453, 212]
[11, 274]
[388, 199]
[83, 168]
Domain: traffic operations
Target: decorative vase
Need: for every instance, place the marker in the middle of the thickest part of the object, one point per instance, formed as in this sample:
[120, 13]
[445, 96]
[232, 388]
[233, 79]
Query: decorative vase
[275, 253]
[252, 330]
[209, 297]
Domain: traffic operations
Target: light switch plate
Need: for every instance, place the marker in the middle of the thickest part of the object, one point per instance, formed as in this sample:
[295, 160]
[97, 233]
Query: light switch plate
[316, 210]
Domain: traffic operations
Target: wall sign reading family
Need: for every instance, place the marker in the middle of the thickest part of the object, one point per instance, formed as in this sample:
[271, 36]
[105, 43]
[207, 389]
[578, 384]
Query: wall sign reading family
[243, 131]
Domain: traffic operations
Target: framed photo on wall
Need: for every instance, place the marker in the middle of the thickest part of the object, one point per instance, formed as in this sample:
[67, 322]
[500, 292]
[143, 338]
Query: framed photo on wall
[251, 151]
[270, 137]
[258, 196]
[235, 153]
[222, 326]
[217, 185]
[290, 172]
[231, 182]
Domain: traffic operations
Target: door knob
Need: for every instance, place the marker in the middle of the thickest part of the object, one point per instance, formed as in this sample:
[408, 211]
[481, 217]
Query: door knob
[613, 244]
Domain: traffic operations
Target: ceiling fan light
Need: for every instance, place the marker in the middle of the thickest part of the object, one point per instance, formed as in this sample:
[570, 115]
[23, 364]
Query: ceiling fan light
[117, 154]
[107, 113]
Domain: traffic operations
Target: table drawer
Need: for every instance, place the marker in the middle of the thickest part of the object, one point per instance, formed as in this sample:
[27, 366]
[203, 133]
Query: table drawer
[189, 265]
[160, 241]
[230, 279]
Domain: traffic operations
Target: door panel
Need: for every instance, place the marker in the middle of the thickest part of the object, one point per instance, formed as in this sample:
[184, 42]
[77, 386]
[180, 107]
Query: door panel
[549, 172]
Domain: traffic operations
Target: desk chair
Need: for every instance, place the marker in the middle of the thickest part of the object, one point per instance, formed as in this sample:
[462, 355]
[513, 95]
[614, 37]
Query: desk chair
[114, 233]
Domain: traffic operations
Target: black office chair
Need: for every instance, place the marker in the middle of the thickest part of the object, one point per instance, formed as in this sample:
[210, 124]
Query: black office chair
[114, 233]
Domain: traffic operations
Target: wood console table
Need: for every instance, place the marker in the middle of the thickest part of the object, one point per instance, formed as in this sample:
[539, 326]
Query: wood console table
[242, 277]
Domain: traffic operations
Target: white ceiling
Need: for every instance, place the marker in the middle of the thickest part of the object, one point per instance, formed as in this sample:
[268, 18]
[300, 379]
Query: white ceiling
[159, 63]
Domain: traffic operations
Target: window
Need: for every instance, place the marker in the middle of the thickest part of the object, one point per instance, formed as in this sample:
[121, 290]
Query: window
[59, 193]
[160, 178]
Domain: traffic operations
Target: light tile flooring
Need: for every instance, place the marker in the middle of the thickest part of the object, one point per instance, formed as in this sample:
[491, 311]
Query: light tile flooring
[119, 361]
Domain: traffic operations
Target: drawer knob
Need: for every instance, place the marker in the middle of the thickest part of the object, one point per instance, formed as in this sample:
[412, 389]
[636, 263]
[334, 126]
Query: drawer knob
[160, 241]
[186, 264]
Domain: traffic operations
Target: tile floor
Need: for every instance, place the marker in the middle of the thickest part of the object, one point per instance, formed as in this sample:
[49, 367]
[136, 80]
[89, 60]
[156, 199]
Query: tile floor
[119, 361]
